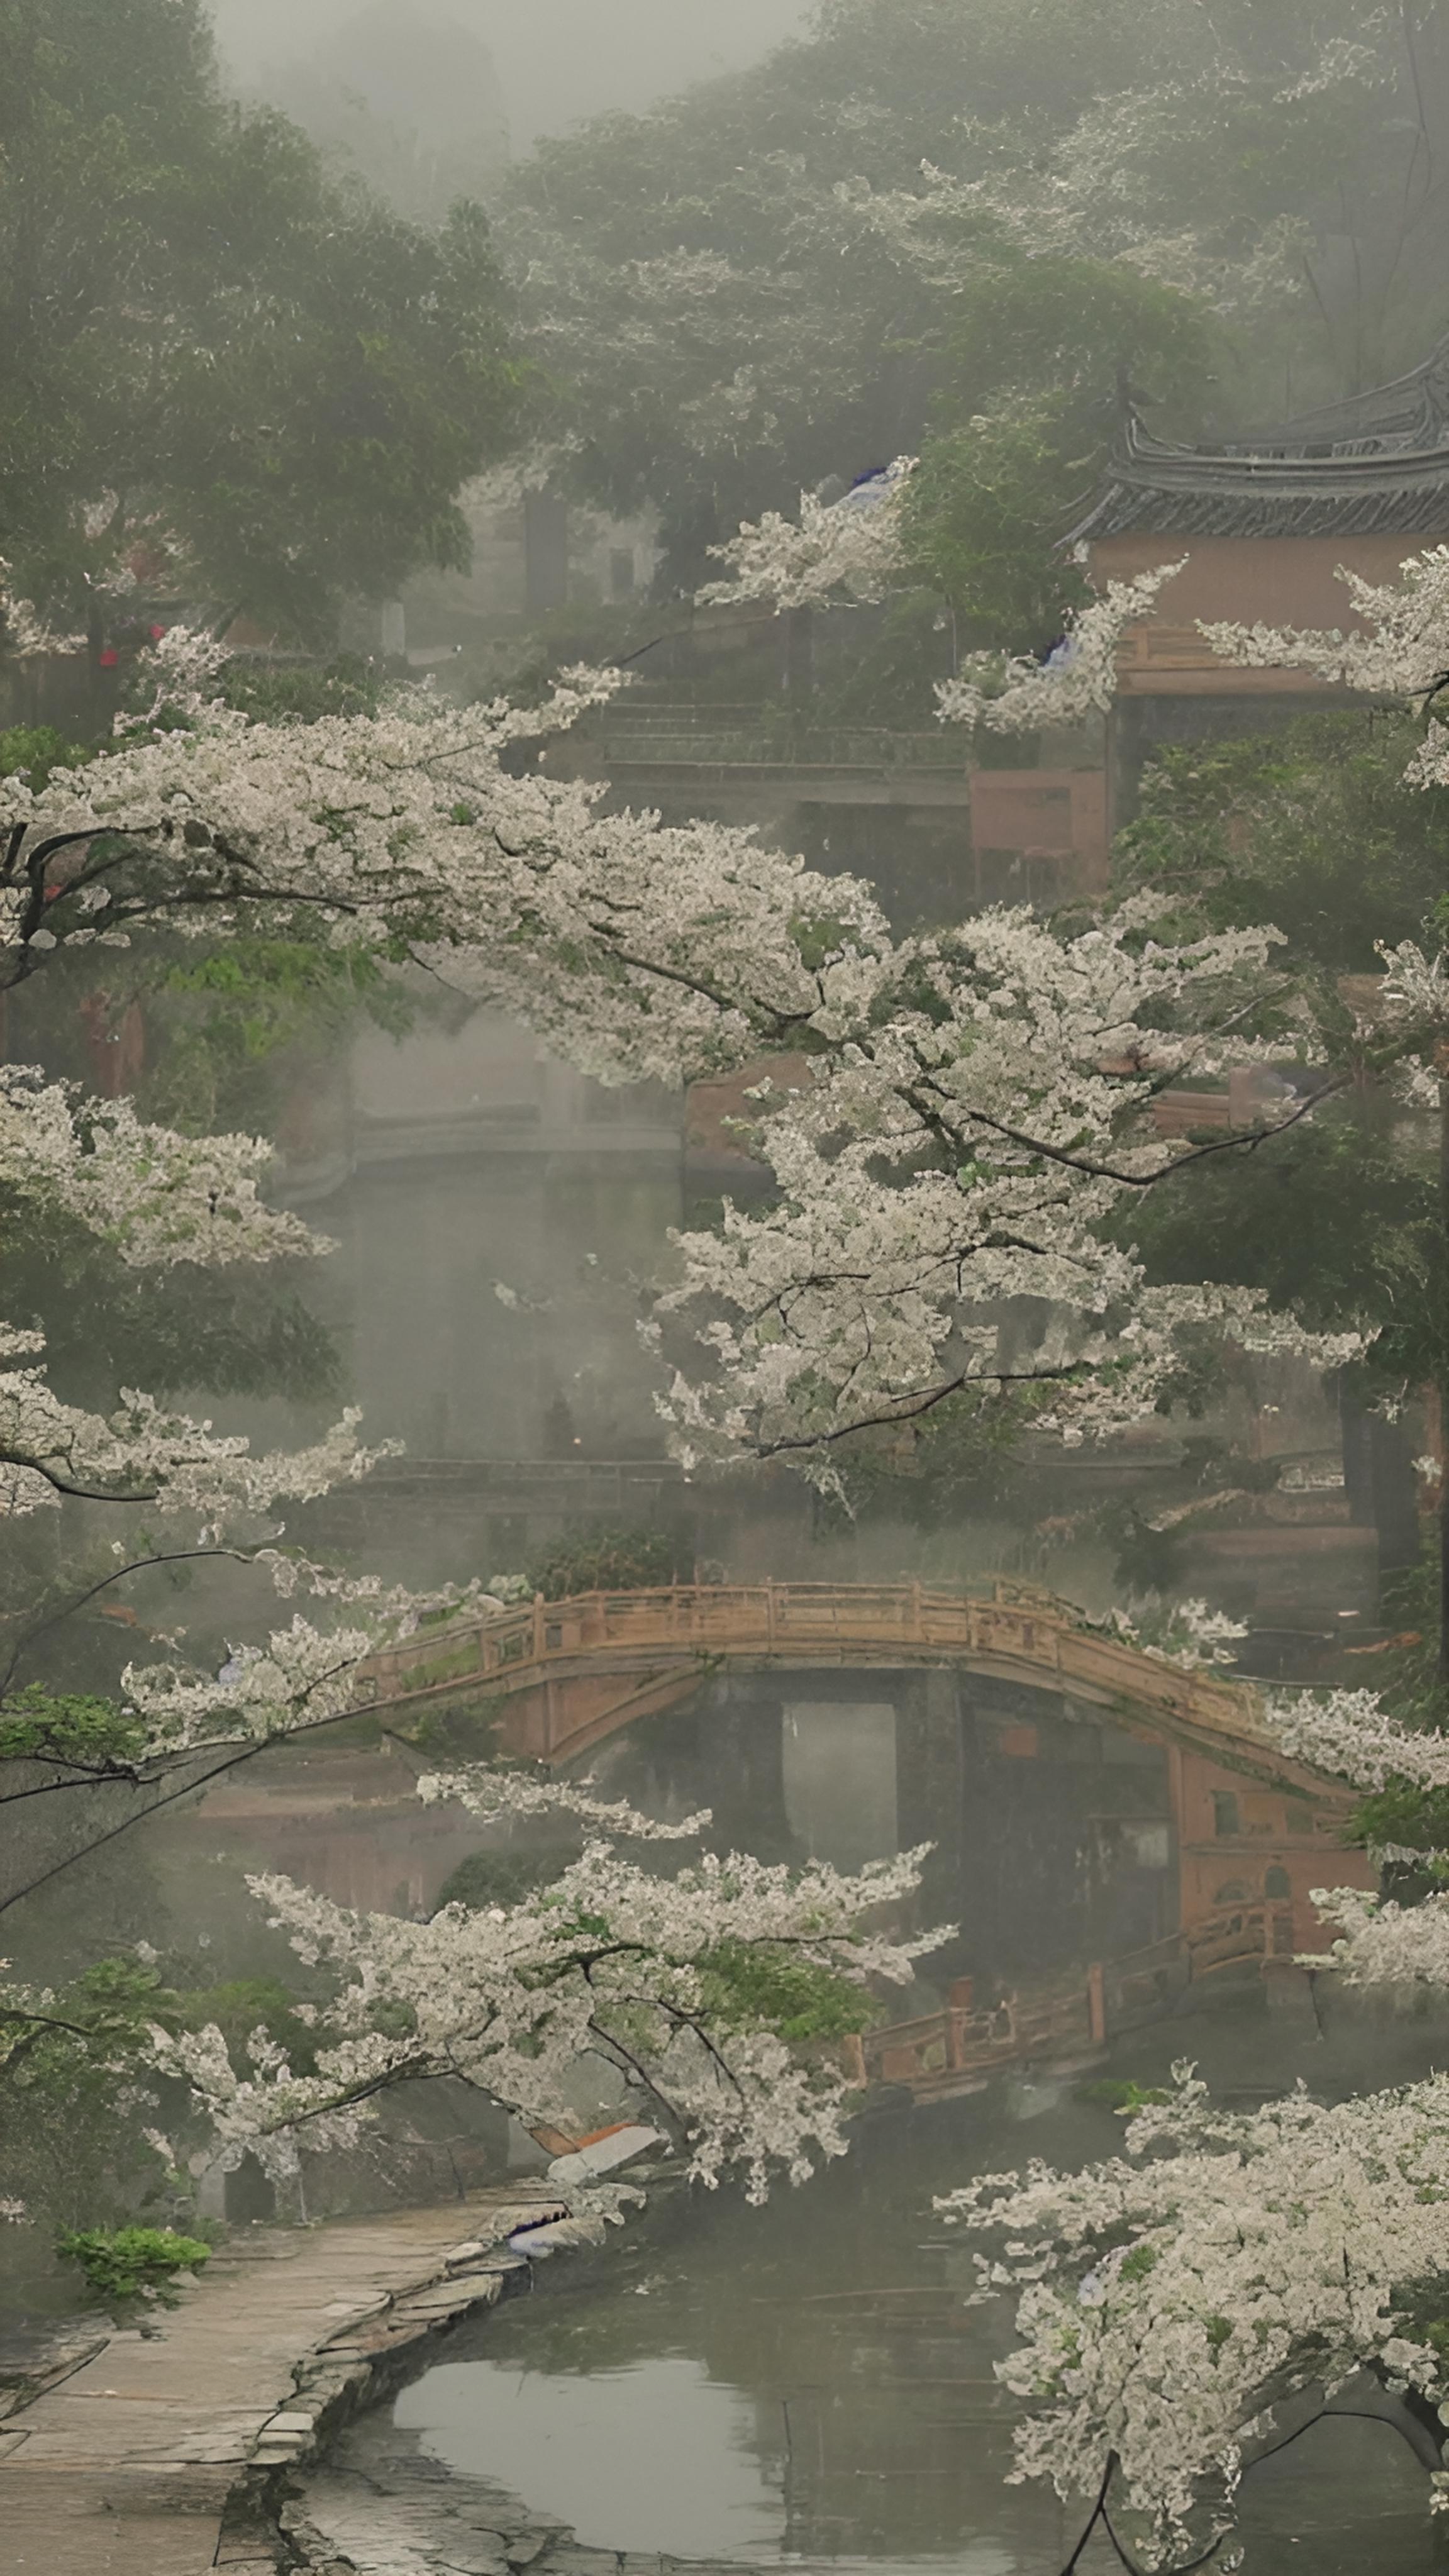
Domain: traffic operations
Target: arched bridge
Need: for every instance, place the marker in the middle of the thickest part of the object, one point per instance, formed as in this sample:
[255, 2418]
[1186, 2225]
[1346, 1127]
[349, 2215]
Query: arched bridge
[567, 1674]
[1251, 1833]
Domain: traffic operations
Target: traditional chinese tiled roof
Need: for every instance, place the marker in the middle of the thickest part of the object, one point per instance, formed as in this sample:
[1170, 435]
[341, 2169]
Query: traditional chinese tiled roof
[1377, 463]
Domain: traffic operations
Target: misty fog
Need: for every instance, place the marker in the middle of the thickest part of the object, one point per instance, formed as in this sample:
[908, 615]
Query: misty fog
[724, 1224]
[557, 61]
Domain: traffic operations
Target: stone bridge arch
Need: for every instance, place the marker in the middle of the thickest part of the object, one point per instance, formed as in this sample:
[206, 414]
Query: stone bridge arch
[1251, 1832]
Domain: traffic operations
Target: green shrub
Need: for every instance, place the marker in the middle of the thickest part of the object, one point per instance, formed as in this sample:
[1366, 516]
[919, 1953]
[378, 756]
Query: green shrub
[34, 752]
[244, 2004]
[611, 1560]
[488, 1878]
[749, 1986]
[126, 2264]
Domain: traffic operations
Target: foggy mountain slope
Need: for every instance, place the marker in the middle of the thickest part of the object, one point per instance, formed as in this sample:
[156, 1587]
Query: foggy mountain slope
[557, 61]
[407, 94]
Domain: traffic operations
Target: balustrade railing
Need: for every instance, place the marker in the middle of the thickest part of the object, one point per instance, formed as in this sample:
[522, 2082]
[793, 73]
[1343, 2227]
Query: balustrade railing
[643, 736]
[510, 1651]
[938, 2052]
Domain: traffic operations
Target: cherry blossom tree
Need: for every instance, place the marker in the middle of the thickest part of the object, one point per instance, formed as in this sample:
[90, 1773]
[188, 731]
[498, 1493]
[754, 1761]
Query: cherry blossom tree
[979, 1100]
[846, 551]
[1171, 2299]
[977, 1103]
[1077, 679]
[612, 1975]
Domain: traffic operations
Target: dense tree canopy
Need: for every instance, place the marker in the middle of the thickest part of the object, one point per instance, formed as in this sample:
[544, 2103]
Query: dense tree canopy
[1317, 830]
[225, 372]
[781, 276]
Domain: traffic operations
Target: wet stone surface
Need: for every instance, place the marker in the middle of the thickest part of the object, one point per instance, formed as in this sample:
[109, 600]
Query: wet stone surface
[392, 2510]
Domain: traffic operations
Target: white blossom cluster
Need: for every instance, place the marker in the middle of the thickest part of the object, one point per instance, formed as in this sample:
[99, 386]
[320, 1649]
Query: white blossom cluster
[303, 1676]
[957, 1151]
[1170, 2296]
[182, 667]
[142, 1452]
[1186, 1633]
[846, 552]
[609, 1966]
[1397, 647]
[22, 628]
[1352, 1733]
[642, 949]
[495, 1792]
[155, 1197]
[1077, 679]
[1380, 1943]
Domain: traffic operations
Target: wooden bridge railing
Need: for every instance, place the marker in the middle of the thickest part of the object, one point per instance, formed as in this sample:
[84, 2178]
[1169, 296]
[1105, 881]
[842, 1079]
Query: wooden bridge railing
[791, 1622]
[944, 2051]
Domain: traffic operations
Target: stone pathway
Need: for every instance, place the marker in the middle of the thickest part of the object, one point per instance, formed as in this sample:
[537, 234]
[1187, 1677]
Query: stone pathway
[169, 2455]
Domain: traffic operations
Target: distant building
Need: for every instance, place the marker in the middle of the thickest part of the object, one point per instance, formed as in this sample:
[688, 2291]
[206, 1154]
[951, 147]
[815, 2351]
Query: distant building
[1265, 518]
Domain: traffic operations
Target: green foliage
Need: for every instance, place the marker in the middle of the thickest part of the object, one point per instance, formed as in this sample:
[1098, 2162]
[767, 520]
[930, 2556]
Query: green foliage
[237, 1031]
[36, 1725]
[1136, 2265]
[754, 1986]
[980, 518]
[238, 1028]
[1357, 1185]
[75, 2095]
[128, 2265]
[302, 692]
[1147, 1563]
[78, 2092]
[488, 1878]
[242, 1331]
[1312, 829]
[1344, 1182]
[1418, 1819]
[929, 1473]
[1075, 329]
[36, 752]
[273, 385]
[1117, 2093]
[106, 2012]
[242, 2005]
[610, 1560]
[1034, 355]
[1404, 1670]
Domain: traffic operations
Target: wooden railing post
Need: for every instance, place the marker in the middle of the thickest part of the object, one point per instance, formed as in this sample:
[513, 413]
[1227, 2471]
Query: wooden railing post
[1096, 2003]
[538, 1609]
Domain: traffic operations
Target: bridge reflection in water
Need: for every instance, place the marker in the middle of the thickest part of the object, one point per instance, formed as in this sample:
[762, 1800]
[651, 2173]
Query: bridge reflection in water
[1109, 1829]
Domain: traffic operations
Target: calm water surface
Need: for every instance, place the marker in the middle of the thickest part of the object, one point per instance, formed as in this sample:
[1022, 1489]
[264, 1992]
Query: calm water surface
[807, 2384]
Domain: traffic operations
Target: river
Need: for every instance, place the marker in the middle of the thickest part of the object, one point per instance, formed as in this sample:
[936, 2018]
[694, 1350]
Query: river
[805, 2386]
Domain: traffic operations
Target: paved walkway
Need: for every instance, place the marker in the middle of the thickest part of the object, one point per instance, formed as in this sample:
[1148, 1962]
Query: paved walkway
[163, 2456]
